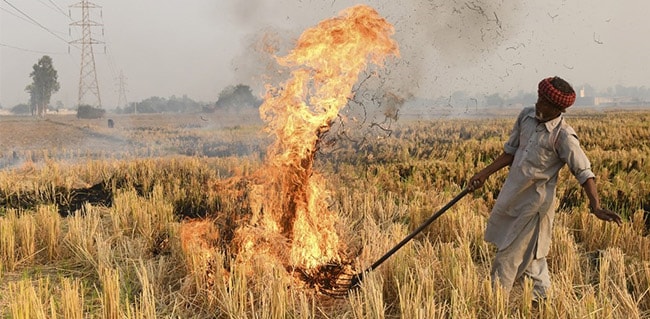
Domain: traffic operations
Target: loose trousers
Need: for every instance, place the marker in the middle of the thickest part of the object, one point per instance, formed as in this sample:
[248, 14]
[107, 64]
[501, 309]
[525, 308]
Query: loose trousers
[519, 259]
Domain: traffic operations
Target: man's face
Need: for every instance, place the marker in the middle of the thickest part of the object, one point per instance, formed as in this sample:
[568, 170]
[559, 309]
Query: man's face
[545, 110]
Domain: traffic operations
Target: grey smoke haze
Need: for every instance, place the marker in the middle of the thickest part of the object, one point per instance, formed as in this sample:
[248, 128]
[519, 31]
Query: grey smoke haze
[451, 32]
[198, 47]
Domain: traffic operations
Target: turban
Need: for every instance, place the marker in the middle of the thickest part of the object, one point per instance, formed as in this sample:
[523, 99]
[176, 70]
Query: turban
[555, 96]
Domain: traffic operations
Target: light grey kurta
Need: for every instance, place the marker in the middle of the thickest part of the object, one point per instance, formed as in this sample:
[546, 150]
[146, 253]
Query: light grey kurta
[540, 151]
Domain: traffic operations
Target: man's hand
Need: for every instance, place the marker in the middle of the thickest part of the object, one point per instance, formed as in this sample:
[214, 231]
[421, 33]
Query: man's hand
[479, 178]
[476, 182]
[607, 215]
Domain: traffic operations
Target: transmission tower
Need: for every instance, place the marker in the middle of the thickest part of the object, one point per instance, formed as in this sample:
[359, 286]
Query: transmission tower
[87, 74]
[121, 100]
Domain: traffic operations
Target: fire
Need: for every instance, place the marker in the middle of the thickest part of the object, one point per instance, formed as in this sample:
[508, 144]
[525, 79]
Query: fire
[325, 64]
[201, 238]
[289, 221]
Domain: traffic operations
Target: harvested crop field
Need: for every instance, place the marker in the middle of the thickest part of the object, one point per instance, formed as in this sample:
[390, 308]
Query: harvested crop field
[175, 216]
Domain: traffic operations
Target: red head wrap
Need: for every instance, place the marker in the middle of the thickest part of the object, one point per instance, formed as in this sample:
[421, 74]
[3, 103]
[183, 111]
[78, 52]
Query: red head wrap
[555, 96]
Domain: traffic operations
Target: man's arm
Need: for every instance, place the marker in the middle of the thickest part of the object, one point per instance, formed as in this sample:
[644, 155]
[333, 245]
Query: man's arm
[479, 178]
[594, 203]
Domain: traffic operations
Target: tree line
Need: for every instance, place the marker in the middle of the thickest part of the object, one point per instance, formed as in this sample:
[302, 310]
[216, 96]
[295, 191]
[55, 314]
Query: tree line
[45, 84]
[231, 98]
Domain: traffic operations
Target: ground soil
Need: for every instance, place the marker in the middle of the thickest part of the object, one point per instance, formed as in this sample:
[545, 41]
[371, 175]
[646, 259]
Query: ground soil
[67, 137]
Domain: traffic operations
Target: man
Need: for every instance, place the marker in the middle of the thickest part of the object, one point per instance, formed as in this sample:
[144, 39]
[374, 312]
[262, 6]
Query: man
[521, 221]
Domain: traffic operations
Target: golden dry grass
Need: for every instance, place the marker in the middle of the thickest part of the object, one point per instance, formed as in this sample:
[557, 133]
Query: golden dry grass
[127, 259]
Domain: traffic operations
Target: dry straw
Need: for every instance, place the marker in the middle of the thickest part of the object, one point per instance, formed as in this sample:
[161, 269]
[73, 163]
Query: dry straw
[130, 260]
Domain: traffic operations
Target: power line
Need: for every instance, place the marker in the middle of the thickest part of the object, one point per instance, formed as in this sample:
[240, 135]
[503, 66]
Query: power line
[55, 8]
[29, 50]
[34, 21]
[59, 9]
[108, 53]
[15, 15]
[122, 100]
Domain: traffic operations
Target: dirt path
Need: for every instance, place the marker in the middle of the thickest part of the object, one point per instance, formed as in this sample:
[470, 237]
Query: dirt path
[61, 132]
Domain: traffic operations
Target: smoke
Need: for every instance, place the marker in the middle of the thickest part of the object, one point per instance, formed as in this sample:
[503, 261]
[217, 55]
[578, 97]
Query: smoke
[257, 65]
[463, 31]
[438, 40]
[245, 11]
[440, 37]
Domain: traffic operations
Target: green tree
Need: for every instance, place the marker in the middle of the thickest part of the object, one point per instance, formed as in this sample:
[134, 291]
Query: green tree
[494, 100]
[86, 111]
[239, 96]
[21, 109]
[44, 84]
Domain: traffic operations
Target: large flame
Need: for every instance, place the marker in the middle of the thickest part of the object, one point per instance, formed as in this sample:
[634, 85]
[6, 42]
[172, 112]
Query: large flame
[325, 64]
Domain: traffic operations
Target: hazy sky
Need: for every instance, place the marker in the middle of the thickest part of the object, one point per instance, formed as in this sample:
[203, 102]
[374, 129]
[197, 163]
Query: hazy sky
[198, 47]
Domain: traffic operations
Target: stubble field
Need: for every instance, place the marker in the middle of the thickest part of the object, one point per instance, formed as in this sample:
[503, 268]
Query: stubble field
[160, 217]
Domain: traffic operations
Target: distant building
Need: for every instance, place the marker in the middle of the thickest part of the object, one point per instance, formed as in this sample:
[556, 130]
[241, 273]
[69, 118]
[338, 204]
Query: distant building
[583, 100]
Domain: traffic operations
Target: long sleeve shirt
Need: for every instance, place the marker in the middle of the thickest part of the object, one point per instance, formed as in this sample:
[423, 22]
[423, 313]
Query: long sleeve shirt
[540, 150]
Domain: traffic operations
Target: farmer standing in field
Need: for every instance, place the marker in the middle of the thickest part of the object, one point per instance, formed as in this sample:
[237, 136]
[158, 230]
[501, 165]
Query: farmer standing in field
[520, 224]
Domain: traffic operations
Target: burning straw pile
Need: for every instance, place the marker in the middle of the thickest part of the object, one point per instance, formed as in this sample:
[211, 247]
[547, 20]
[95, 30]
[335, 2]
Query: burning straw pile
[289, 219]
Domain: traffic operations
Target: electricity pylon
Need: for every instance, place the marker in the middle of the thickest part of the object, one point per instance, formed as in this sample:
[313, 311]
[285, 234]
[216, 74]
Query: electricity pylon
[121, 100]
[87, 74]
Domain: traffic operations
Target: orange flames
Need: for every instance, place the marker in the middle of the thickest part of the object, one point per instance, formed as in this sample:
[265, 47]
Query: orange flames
[325, 64]
[287, 199]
